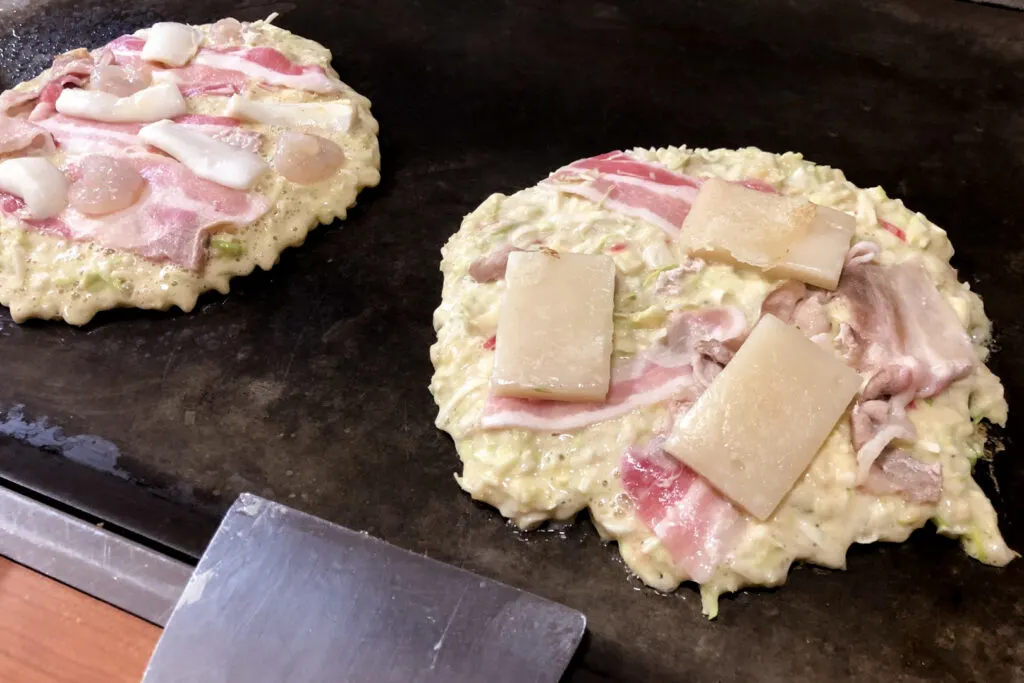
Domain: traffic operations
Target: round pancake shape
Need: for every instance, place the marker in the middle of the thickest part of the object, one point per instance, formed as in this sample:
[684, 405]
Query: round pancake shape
[532, 476]
[43, 275]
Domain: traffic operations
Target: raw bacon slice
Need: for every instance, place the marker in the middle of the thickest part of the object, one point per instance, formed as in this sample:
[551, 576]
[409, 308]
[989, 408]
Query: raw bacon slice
[634, 385]
[70, 68]
[897, 471]
[191, 79]
[198, 79]
[20, 136]
[677, 370]
[82, 136]
[900, 318]
[875, 425]
[906, 339]
[696, 524]
[171, 220]
[632, 187]
[226, 71]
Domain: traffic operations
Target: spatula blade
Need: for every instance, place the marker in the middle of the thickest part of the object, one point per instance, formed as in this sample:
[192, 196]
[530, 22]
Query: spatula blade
[282, 596]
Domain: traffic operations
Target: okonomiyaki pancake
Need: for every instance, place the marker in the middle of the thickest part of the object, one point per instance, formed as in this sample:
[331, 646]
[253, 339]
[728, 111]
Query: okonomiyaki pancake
[162, 164]
[734, 360]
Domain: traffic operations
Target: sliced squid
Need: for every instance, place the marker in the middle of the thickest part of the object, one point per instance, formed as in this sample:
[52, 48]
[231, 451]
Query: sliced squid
[40, 184]
[208, 158]
[154, 103]
[105, 185]
[335, 116]
[306, 159]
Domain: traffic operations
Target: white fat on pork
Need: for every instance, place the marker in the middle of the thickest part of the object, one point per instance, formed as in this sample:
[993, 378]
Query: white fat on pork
[162, 101]
[170, 43]
[335, 116]
[38, 183]
[211, 159]
[307, 159]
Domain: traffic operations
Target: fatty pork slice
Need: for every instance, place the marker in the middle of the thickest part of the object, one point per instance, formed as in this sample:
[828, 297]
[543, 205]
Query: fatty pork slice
[907, 340]
[77, 136]
[631, 187]
[22, 138]
[228, 70]
[897, 471]
[677, 370]
[696, 524]
[899, 318]
[170, 221]
[69, 69]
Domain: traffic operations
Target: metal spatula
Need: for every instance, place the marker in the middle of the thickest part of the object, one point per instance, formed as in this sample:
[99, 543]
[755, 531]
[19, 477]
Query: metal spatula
[284, 597]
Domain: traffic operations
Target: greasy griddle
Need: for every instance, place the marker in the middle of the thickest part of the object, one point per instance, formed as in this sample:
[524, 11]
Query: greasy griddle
[308, 384]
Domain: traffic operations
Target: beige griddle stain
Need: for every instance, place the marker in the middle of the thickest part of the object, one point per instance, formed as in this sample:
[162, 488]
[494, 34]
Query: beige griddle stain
[532, 477]
[43, 276]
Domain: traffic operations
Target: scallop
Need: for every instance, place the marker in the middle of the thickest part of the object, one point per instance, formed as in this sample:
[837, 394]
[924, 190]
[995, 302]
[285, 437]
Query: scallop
[306, 159]
[122, 81]
[226, 32]
[104, 185]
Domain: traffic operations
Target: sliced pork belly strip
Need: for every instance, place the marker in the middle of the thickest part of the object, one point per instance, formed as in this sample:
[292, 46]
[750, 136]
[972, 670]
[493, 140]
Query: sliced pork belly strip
[897, 471]
[796, 304]
[636, 384]
[900, 318]
[169, 222]
[198, 79]
[932, 332]
[69, 69]
[18, 136]
[81, 136]
[631, 187]
[695, 524]
[875, 425]
[677, 370]
[907, 340]
[227, 70]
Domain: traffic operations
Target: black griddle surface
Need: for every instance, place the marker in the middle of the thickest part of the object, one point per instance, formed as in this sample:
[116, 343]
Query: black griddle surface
[308, 384]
